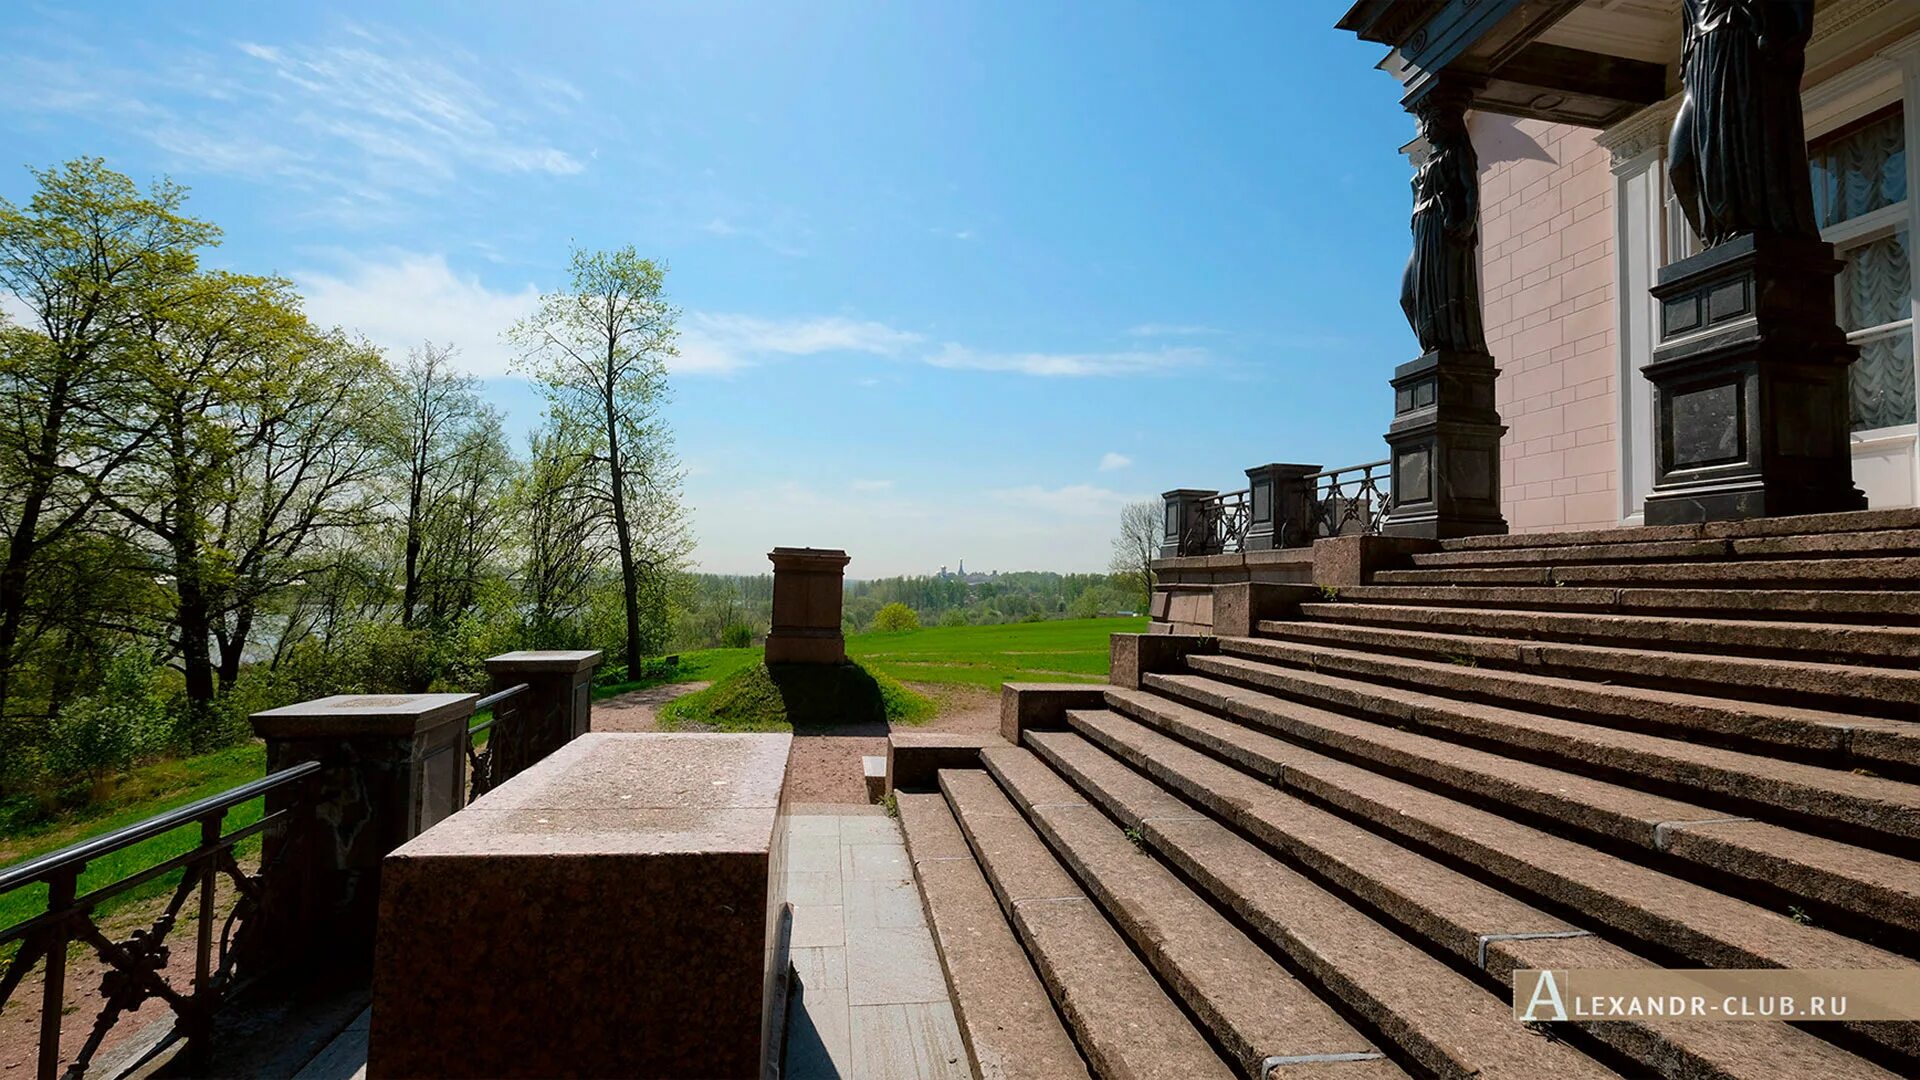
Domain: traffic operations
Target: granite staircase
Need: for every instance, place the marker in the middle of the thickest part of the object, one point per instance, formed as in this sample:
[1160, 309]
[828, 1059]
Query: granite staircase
[1323, 849]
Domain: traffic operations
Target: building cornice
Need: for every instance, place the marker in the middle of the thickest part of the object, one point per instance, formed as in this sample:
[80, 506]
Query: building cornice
[1641, 133]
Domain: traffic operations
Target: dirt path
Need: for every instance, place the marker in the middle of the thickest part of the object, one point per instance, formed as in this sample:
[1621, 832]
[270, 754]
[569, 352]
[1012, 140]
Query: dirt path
[636, 710]
[825, 765]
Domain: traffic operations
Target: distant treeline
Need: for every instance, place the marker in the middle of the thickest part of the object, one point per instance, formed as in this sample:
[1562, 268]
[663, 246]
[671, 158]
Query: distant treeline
[716, 602]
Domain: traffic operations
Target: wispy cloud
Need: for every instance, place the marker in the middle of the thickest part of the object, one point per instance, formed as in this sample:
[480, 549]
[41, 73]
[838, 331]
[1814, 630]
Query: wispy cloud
[1074, 500]
[350, 121]
[1154, 330]
[713, 343]
[1110, 461]
[1062, 365]
[873, 485]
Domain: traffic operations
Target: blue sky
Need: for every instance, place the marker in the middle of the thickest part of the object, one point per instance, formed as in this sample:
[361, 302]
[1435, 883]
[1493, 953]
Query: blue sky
[958, 279]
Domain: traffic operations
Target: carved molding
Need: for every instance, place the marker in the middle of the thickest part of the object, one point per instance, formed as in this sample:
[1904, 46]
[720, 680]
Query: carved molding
[1834, 18]
[1644, 131]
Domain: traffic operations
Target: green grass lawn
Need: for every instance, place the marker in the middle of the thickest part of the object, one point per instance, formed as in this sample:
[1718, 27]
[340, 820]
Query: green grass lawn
[146, 791]
[1063, 650]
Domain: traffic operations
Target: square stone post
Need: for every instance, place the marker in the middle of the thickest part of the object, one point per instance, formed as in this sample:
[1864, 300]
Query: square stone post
[1444, 445]
[391, 766]
[1280, 505]
[555, 709]
[1181, 521]
[1750, 393]
[807, 585]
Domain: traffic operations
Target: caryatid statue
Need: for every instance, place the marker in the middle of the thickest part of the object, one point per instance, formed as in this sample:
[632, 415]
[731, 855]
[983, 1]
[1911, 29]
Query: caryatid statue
[1440, 291]
[1738, 156]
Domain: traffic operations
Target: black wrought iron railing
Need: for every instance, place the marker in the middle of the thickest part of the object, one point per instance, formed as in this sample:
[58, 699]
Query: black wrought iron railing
[137, 969]
[480, 757]
[1352, 499]
[1220, 525]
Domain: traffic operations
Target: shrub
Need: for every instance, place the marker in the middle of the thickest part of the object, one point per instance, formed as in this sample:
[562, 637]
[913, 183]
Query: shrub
[736, 636]
[105, 732]
[896, 616]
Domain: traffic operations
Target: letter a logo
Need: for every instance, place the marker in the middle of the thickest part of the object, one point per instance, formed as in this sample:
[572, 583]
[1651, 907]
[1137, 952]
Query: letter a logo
[1546, 991]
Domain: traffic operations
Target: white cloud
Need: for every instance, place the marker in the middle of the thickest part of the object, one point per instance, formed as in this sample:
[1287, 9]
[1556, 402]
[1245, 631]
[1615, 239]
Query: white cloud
[1110, 461]
[1172, 330]
[1074, 500]
[873, 485]
[717, 343]
[1056, 365]
[414, 298]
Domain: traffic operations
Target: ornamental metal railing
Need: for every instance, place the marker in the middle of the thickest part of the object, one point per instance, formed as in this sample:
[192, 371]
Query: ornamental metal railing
[137, 968]
[1349, 500]
[479, 757]
[1220, 525]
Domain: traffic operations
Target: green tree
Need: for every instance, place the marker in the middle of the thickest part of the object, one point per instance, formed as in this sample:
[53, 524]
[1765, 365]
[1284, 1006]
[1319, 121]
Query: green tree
[599, 349]
[896, 616]
[92, 258]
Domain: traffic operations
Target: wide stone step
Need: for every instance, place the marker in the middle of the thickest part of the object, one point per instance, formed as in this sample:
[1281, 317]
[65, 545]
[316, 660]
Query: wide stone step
[1866, 884]
[1897, 691]
[1822, 642]
[1254, 1009]
[1122, 1020]
[1442, 909]
[1803, 546]
[1885, 607]
[1837, 573]
[1799, 525]
[1435, 1016]
[1839, 739]
[1636, 904]
[1870, 804]
[1006, 1020]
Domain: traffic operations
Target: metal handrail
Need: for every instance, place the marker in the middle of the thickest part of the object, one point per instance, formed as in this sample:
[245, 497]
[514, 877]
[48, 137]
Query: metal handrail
[499, 696]
[86, 851]
[480, 761]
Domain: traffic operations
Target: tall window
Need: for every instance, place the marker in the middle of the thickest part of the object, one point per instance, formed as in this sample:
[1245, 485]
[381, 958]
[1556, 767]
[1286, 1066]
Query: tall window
[1860, 200]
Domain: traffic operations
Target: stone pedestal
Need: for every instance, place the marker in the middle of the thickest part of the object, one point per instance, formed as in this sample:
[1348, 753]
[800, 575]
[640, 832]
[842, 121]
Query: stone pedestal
[807, 584]
[392, 766]
[1181, 521]
[616, 910]
[1750, 395]
[1444, 444]
[555, 709]
[1280, 507]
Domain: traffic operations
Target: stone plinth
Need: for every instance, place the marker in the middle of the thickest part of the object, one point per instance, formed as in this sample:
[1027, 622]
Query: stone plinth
[392, 766]
[1750, 391]
[556, 708]
[1444, 447]
[618, 909]
[807, 586]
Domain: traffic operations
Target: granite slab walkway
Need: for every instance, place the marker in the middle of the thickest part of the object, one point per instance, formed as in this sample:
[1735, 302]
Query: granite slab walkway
[869, 1000]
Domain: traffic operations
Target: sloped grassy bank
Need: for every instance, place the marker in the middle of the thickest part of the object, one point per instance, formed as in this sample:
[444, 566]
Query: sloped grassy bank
[782, 697]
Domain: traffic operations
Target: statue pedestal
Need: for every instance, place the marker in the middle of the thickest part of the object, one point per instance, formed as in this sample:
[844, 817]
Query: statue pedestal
[1750, 395]
[1445, 447]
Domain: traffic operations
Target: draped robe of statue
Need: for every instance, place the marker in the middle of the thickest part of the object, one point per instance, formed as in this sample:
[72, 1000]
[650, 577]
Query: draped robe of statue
[1738, 155]
[1440, 291]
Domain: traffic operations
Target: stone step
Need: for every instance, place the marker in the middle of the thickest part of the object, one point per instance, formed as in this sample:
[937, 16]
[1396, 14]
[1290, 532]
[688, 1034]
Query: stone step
[1801, 525]
[1121, 1018]
[1800, 546]
[1255, 1010]
[1838, 739]
[1867, 884]
[1837, 573]
[1437, 1017]
[1883, 607]
[1896, 691]
[1870, 804]
[1638, 906]
[1823, 642]
[1440, 908]
[1006, 1019]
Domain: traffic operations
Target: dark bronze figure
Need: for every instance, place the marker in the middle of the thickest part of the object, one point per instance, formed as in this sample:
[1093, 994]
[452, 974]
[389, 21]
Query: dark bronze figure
[1440, 291]
[1738, 156]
